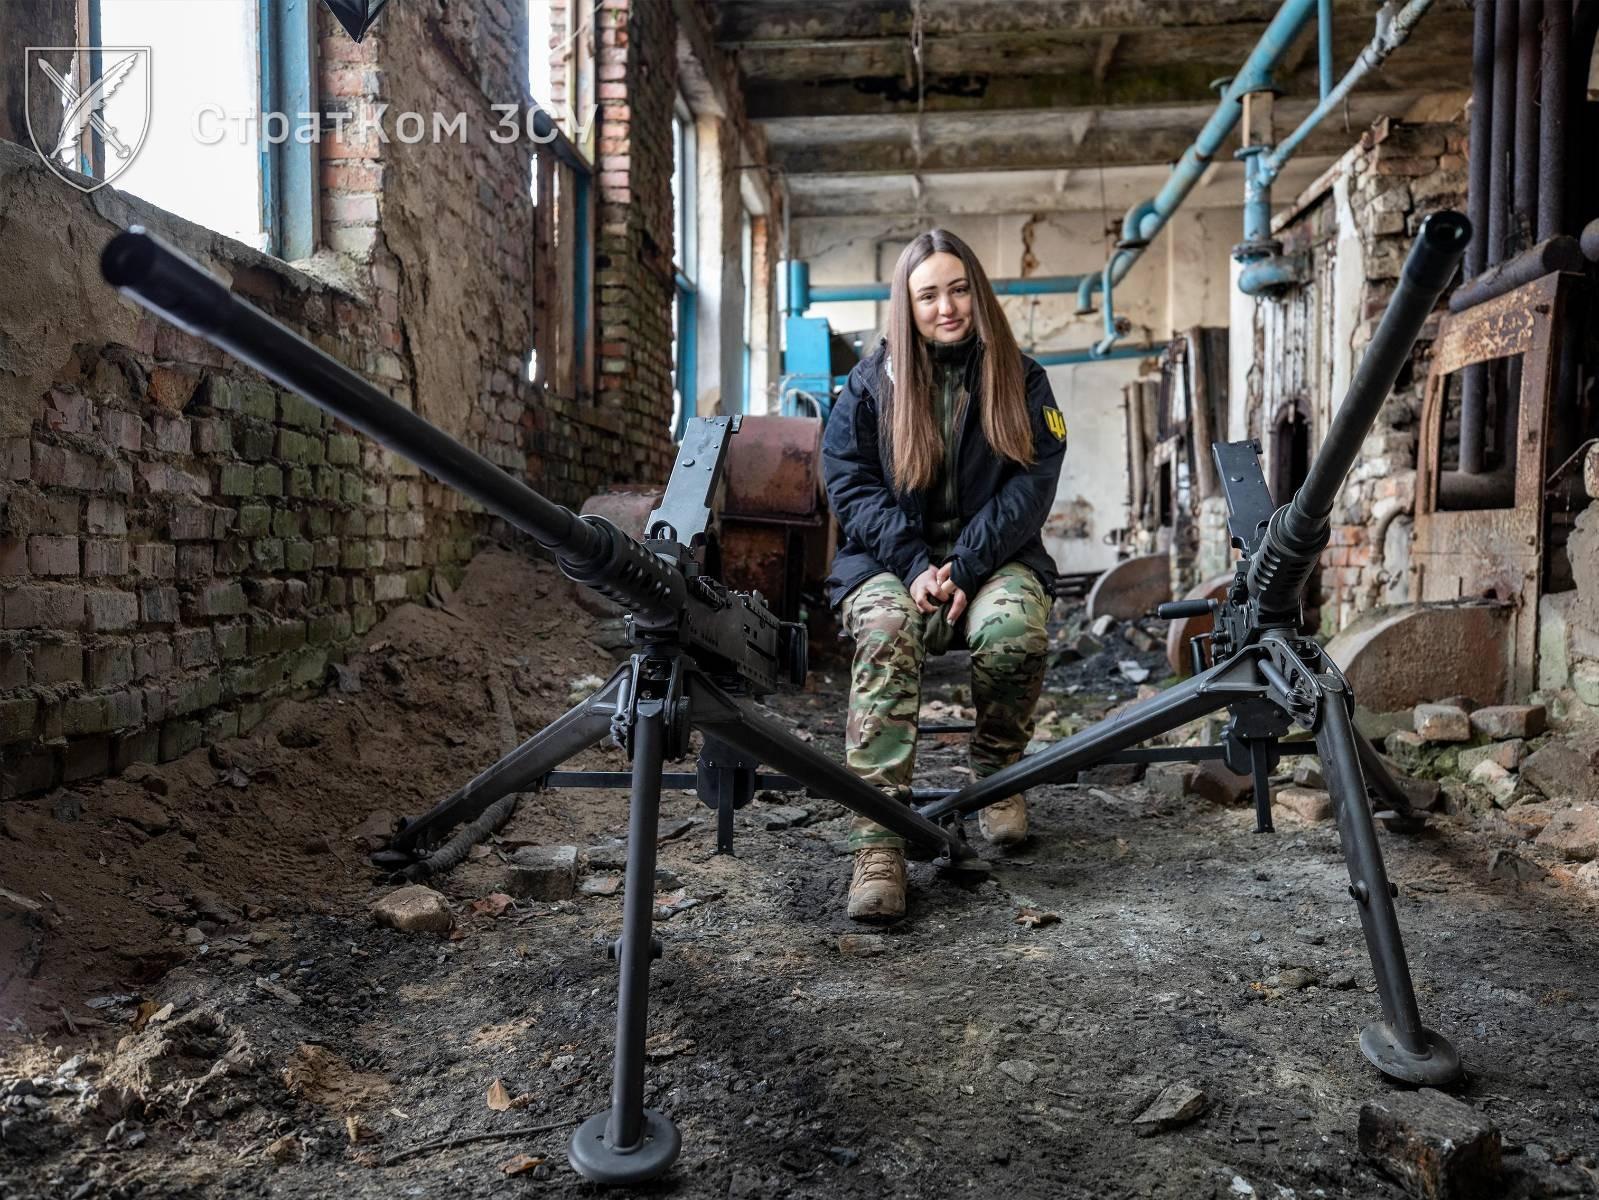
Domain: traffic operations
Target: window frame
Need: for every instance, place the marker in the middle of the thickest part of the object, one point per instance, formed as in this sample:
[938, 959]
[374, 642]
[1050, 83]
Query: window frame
[685, 247]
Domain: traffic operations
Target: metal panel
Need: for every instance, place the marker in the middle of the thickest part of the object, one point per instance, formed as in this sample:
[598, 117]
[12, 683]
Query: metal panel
[1492, 552]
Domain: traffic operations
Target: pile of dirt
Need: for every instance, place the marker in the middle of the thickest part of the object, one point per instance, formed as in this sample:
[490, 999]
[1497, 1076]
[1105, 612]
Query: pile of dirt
[115, 882]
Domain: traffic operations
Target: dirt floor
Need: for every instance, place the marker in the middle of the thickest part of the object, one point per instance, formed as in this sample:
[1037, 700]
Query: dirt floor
[195, 1001]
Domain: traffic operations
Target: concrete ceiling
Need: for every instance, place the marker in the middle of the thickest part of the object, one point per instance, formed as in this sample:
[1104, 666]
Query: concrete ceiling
[1013, 88]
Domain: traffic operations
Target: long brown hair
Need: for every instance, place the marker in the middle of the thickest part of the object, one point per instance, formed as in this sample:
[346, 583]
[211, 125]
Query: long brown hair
[915, 446]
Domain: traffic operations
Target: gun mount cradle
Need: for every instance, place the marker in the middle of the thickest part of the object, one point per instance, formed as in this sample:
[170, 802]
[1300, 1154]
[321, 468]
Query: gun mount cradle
[703, 652]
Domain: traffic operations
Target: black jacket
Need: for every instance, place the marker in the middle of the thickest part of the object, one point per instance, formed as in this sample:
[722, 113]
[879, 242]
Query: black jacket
[1002, 505]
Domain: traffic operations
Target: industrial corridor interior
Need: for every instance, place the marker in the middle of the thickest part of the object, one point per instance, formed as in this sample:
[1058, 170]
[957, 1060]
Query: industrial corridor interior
[371, 825]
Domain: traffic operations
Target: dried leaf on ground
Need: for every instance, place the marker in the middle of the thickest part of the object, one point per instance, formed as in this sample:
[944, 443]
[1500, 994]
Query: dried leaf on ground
[1032, 918]
[358, 1130]
[499, 1097]
[519, 1163]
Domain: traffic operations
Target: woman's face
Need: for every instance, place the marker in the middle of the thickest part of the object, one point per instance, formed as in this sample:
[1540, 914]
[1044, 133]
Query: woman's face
[941, 298]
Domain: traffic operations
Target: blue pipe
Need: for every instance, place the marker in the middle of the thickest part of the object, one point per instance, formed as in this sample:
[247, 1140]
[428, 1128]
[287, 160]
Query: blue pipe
[1038, 285]
[799, 286]
[1065, 358]
[1267, 275]
[1324, 45]
[1108, 309]
[1148, 218]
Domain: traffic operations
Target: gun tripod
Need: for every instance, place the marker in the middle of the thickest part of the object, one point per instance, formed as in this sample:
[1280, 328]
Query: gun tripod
[1267, 687]
[649, 706]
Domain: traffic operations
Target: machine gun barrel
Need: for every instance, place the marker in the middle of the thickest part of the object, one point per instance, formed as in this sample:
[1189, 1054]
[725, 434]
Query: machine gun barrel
[589, 549]
[1298, 531]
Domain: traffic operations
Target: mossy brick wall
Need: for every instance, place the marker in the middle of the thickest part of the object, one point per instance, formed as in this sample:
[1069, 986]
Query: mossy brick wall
[181, 543]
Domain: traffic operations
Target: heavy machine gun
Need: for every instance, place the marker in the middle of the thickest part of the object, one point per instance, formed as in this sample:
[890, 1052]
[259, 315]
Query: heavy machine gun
[1269, 678]
[702, 651]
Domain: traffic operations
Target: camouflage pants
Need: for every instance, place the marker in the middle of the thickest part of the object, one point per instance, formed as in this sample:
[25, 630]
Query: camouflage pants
[1004, 629]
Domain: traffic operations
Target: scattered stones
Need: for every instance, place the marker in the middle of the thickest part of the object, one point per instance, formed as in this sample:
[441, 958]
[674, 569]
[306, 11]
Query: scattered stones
[1140, 639]
[414, 909]
[285, 1149]
[607, 856]
[138, 810]
[1103, 626]
[542, 873]
[1530, 819]
[1309, 804]
[1503, 721]
[1406, 747]
[600, 885]
[862, 945]
[1020, 1069]
[1498, 782]
[782, 816]
[1131, 671]
[374, 832]
[1507, 754]
[1437, 1146]
[1292, 979]
[1562, 770]
[1112, 774]
[1307, 774]
[1177, 1105]
[1586, 880]
[1086, 645]
[1507, 864]
[1442, 723]
[1171, 779]
[1214, 782]
[1573, 832]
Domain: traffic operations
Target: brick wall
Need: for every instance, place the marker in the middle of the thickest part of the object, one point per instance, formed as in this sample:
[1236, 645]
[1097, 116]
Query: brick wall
[182, 543]
[1369, 208]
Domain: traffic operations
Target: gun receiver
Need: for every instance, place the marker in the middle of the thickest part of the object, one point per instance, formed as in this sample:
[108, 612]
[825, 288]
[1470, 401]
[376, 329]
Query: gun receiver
[735, 632]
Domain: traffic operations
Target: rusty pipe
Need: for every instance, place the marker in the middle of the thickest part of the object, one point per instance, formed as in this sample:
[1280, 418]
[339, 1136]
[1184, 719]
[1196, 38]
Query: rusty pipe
[1524, 180]
[1552, 120]
[1502, 130]
[1478, 150]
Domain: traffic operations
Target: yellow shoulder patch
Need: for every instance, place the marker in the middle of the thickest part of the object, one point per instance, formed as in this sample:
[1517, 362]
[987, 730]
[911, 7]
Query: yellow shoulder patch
[1055, 422]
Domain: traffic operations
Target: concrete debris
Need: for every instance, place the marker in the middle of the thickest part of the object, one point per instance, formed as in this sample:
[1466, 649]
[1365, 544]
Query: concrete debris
[1293, 979]
[1503, 721]
[414, 909]
[782, 816]
[1102, 626]
[1309, 804]
[1177, 1105]
[1131, 671]
[600, 885]
[1564, 770]
[1214, 782]
[862, 945]
[1507, 754]
[1019, 1069]
[1437, 1146]
[1442, 723]
[1307, 774]
[1171, 779]
[542, 873]
[1507, 864]
[1573, 832]
[1499, 783]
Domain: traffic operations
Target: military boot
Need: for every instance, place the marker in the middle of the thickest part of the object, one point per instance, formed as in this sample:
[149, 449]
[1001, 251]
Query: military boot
[1004, 823]
[877, 889]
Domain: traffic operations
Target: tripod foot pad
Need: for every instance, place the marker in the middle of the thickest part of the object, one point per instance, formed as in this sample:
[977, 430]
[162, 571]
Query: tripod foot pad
[1436, 1066]
[593, 1158]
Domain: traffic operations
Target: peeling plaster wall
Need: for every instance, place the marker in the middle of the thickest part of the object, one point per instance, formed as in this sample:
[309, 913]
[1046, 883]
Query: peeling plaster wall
[1180, 282]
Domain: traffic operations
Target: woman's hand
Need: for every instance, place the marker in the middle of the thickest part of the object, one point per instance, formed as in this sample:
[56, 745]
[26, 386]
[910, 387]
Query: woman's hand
[927, 590]
[947, 591]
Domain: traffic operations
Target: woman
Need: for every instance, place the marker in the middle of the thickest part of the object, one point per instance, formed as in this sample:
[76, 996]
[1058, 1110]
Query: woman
[941, 459]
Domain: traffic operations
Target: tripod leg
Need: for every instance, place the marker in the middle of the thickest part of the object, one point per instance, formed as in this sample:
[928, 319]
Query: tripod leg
[1260, 770]
[1400, 1046]
[1160, 714]
[588, 724]
[629, 1143]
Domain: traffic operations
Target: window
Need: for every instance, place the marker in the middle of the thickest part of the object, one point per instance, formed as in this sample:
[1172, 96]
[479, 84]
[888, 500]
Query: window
[561, 189]
[684, 220]
[746, 258]
[209, 155]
